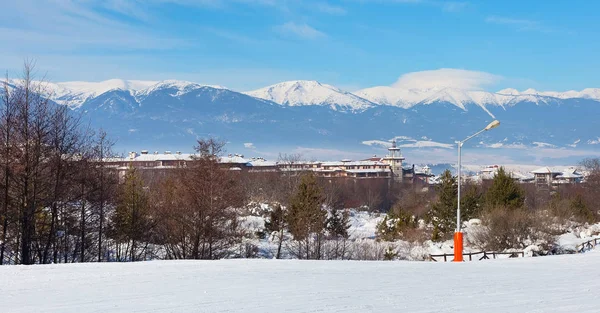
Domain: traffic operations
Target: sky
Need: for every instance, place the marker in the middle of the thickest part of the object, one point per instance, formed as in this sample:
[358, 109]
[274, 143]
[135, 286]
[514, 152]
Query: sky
[352, 44]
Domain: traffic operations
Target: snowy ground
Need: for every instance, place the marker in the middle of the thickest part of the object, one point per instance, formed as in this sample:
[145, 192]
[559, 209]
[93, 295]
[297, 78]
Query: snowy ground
[362, 232]
[566, 283]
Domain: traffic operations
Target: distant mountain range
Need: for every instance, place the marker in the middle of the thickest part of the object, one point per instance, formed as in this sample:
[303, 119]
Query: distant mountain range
[172, 114]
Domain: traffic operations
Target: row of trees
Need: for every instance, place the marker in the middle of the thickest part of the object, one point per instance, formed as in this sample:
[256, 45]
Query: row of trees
[514, 215]
[52, 186]
[60, 203]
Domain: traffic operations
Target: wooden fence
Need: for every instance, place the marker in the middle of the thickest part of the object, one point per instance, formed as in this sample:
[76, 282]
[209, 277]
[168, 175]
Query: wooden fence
[484, 255]
[588, 245]
[481, 255]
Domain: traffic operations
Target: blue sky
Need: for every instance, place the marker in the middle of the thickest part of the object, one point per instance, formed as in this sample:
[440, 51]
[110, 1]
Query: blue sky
[353, 44]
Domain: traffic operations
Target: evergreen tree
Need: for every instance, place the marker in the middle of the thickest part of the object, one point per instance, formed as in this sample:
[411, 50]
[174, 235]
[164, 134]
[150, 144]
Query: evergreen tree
[470, 203]
[395, 223]
[131, 220]
[443, 212]
[305, 214]
[504, 192]
[581, 210]
[338, 224]
[276, 225]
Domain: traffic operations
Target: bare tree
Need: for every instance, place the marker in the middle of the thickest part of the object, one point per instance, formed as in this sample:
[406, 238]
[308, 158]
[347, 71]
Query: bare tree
[7, 130]
[203, 222]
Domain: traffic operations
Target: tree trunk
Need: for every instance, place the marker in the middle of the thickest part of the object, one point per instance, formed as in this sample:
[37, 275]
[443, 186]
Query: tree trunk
[82, 223]
[280, 243]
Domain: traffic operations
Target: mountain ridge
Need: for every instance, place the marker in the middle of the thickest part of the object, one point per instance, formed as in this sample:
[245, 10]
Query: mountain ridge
[307, 93]
[174, 113]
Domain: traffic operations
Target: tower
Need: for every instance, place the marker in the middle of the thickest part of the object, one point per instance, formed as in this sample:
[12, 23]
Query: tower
[394, 159]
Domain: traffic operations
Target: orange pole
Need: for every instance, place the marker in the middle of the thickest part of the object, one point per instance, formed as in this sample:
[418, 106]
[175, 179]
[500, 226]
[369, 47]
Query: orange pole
[458, 246]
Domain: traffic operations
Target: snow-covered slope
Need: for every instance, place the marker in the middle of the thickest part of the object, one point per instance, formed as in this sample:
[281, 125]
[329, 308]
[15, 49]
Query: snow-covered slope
[306, 112]
[313, 93]
[384, 95]
[175, 87]
[76, 93]
[407, 98]
[588, 93]
[544, 284]
[302, 92]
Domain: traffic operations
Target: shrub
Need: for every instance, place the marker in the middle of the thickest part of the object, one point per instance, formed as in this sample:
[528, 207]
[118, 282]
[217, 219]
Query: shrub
[395, 224]
[513, 229]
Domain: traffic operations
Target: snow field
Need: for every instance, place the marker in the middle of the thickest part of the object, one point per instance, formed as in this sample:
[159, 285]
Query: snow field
[565, 283]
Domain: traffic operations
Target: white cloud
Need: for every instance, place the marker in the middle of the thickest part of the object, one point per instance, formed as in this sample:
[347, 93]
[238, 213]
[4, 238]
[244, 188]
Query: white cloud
[330, 9]
[574, 144]
[72, 25]
[453, 6]
[407, 142]
[380, 143]
[504, 145]
[521, 23]
[403, 138]
[446, 77]
[543, 145]
[594, 141]
[426, 144]
[299, 30]
[558, 153]
[249, 145]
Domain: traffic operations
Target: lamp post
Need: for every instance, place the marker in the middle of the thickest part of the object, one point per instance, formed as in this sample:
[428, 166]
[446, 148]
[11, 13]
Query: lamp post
[458, 236]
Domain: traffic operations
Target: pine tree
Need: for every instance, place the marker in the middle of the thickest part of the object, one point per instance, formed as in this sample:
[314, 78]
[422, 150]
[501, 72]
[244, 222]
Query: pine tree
[131, 220]
[443, 212]
[581, 210]
[470, 203]
[338, 224]
[305, 214]
[276, 224]
[504, 192]
[395, 223]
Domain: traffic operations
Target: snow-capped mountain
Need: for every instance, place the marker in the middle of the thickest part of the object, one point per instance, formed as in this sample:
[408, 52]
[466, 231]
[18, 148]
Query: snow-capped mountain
[172, 114]
[76, 93]
[407, 98]
[303, 92]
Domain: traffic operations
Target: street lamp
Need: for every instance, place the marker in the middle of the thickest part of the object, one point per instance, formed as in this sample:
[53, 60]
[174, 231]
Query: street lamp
[458, 236]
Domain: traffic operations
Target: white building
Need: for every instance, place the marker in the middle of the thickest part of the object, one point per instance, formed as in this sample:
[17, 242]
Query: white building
[394, 159]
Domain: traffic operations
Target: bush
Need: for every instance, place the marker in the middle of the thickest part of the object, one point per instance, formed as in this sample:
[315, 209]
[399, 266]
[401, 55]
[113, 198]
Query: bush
[574, 209]
[395, 224]
[513, 229]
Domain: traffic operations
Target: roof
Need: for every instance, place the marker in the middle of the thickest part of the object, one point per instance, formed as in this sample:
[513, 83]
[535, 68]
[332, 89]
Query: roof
[570, 173]
[233, 159]
[546, 170]
[154, 157]
[354, 163]
[258, 163]
[521, 176]
[369, 170]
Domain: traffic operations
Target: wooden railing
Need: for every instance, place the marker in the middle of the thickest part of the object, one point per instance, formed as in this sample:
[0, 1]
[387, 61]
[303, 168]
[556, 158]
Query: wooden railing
[485, 255]
[581, 248]
[588, 245]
